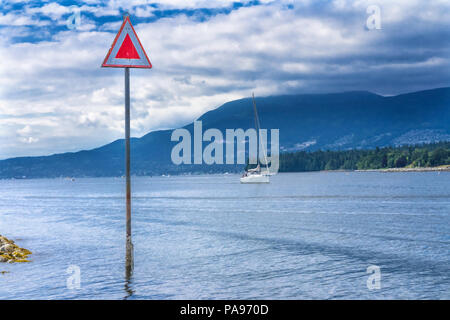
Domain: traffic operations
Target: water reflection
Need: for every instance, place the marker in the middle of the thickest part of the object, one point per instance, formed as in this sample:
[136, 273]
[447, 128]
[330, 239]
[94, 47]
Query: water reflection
[129, 266]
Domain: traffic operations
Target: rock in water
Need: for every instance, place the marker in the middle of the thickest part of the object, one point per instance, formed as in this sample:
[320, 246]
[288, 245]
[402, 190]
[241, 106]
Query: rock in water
[6, 248]
[11, 252]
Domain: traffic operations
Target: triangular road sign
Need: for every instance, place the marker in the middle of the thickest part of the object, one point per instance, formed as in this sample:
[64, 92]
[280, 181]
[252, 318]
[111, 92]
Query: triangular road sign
[126, 50]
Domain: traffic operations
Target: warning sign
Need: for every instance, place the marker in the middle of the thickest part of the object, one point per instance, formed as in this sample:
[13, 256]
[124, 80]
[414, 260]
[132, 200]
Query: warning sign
[126, 50]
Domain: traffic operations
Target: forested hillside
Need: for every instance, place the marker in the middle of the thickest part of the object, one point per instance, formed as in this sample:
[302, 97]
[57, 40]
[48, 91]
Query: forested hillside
[424, 155]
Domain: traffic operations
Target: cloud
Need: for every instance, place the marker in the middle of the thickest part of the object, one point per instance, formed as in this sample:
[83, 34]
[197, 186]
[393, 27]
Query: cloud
[144, 12]
[53, 10]
[55, 92]
[13, 19]
[29, 140]
[24, 131]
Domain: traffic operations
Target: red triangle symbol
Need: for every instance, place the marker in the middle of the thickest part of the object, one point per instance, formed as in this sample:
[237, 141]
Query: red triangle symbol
[127, 50]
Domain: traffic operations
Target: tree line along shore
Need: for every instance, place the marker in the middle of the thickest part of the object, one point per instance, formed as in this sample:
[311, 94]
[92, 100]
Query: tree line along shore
[422, 157]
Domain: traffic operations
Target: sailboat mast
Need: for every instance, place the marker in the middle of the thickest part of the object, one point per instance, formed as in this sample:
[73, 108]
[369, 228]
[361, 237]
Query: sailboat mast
[257, 128]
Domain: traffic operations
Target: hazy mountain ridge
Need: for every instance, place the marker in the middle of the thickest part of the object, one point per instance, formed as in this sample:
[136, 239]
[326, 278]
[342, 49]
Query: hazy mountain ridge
[335, 121]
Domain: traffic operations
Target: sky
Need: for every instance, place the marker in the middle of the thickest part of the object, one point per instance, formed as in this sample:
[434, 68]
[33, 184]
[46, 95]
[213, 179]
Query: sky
[55, 97]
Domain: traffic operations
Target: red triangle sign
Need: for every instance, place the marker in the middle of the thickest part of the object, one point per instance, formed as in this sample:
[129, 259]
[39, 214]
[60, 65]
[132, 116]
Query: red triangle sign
[126, 50]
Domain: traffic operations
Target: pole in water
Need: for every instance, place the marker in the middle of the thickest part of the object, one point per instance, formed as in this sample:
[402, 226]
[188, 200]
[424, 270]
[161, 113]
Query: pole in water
[129, 243]
[127, 54]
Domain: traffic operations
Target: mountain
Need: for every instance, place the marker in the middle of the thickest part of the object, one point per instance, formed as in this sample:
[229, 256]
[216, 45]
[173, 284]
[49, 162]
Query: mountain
[335, 121]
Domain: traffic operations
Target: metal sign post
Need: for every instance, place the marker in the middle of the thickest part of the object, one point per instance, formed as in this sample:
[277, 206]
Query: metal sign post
[129, 245]
[127, 52]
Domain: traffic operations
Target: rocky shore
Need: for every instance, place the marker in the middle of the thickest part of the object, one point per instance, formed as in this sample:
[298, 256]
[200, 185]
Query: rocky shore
[11, 252]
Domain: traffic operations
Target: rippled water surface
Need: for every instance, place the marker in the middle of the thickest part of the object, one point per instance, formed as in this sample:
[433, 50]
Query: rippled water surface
[303, 236]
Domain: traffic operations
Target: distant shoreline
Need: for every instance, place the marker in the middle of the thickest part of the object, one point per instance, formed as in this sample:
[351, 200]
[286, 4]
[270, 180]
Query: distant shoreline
[444, 168]
[415, 169]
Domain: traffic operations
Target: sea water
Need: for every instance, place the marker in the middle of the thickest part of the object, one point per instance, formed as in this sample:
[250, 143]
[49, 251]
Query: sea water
[303, 236]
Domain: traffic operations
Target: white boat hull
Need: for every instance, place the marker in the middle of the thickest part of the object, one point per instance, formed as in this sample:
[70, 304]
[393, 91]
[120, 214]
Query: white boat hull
[255, 178]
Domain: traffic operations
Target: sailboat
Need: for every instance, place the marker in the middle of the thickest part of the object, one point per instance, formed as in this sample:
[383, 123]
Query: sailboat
[256, 175]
